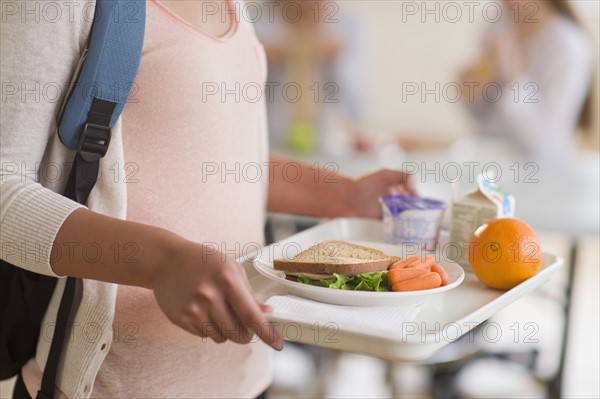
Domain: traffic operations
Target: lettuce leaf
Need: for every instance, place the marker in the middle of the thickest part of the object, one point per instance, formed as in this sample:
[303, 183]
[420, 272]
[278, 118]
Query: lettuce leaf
[372, 282]
[377, 282]
[336, 282]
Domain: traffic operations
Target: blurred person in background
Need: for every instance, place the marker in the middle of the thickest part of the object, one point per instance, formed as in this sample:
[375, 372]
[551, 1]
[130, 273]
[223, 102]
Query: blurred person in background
[542, 61]
[313, 45]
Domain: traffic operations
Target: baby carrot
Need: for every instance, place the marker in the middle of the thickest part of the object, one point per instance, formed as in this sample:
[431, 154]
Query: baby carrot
[404, 262]
[424, 282]
[398, 275]
[442, 272]
[425, 263]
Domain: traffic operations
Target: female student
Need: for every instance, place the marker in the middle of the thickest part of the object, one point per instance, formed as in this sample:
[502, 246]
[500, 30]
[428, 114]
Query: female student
[165, 301]
[542, 60]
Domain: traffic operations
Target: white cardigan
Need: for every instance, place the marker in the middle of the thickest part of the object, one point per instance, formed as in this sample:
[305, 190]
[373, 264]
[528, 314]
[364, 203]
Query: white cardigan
[38, 60]
[539, 112]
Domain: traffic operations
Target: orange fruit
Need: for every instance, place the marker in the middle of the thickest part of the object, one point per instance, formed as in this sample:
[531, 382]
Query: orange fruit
[504, 253]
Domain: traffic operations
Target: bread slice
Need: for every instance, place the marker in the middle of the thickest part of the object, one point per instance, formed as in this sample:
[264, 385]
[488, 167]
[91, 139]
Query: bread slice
[339, 257]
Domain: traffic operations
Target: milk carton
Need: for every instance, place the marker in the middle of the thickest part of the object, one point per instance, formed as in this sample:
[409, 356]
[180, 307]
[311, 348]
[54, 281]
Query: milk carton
[470, 211]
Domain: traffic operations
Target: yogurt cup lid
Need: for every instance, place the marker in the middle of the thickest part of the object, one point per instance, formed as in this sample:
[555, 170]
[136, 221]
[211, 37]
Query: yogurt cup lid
[399, 203]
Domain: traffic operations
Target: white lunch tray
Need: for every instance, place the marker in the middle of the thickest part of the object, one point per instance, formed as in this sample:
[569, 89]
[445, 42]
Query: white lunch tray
[459, 311]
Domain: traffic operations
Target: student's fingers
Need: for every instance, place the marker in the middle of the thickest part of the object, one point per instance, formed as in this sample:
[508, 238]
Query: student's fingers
[399, 182]
[242, 272]
[245, 306]
[228, 324]
[398, 190]
[197, 320]
[264, 307]
[203, 329]
[251, 314]
[410, 183]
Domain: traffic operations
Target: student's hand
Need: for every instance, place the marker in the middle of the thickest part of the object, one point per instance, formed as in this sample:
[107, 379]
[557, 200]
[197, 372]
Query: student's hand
[364, 192]
[474, 79]
[507, 55]
[208, 295]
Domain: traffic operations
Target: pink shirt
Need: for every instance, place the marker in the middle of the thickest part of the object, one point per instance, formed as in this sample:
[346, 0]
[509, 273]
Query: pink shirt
[174, 140]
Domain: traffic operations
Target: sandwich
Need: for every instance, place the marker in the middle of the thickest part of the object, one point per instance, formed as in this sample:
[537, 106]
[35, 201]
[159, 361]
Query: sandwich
[339, 265]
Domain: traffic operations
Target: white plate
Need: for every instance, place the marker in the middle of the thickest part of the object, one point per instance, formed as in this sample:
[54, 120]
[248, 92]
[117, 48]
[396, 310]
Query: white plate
[264, 265]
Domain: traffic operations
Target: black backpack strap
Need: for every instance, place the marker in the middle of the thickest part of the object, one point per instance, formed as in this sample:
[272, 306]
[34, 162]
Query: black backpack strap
[93, 145]
[114, 48]
[49, 380]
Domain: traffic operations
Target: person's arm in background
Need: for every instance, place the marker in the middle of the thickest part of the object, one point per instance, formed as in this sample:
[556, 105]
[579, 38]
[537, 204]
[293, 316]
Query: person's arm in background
[299, 188]
[541, 111]
[193, 284]
[537, 109]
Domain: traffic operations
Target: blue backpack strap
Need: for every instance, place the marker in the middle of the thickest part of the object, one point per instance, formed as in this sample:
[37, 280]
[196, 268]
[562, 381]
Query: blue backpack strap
[112, 60]
[111, 63]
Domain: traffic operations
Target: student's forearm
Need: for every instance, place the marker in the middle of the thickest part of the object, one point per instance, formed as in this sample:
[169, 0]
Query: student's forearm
[300, 188]
[194, 288]
[94, 246]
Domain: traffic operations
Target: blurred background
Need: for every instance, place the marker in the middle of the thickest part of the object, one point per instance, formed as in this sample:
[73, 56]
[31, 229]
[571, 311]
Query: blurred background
[507, 88]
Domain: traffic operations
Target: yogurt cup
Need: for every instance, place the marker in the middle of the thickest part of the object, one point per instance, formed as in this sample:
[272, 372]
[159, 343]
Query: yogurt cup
[415, 220]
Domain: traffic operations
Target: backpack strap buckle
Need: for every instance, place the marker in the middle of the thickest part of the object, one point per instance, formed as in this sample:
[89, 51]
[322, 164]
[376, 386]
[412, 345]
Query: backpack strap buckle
[93, 142]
